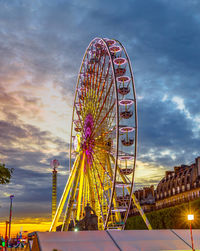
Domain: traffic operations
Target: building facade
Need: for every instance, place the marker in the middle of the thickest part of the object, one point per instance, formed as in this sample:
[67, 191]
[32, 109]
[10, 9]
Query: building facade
[178, 186]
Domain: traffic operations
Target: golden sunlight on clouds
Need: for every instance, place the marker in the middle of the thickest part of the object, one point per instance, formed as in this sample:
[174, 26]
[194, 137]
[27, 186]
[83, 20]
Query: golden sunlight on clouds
[148, 174]
[44, 105]
[53, 111]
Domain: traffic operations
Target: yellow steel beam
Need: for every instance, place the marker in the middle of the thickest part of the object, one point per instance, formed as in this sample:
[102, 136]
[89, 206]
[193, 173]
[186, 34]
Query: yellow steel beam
[70, 203]
[64, 195]
[97, 187]
[80, 187]
[91, 191]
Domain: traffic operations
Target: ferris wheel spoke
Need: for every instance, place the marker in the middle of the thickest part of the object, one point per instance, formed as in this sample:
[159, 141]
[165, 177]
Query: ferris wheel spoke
[99, 75]
[91, 191]
[111, 108]
[80, 187]
[105, 98]
[110, 121]
[110, 99]
[104, 195]
[104, 83]
[104, 171]
[77, 112]
[104, 134]
[100, 78]
[97, 192]
[107, 172]
[93, 76]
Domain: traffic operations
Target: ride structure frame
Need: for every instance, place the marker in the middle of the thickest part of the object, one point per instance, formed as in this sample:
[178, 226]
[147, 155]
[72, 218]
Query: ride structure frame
[103, 143]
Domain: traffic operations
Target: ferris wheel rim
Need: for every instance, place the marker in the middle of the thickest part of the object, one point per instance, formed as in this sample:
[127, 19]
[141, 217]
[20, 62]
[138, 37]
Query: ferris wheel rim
[136, 125]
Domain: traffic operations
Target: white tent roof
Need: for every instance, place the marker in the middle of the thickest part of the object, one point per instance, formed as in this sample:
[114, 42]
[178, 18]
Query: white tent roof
[127, 240]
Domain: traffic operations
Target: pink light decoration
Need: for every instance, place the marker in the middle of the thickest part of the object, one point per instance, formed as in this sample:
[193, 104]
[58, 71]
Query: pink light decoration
[123, 79]
[119, 61]
[88, 126]
[88, 143]
[127, 129]
[126, 102]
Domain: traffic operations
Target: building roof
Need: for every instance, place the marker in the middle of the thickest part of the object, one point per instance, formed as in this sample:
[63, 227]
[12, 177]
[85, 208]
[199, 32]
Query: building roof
[126, 240]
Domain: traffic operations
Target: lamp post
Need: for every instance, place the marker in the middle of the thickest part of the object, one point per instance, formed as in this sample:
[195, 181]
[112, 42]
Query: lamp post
[10, 217]
[190, 219]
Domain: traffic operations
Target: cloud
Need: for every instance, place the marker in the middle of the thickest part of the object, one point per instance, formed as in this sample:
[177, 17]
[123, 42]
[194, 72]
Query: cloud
[29, 150]
[41, 47]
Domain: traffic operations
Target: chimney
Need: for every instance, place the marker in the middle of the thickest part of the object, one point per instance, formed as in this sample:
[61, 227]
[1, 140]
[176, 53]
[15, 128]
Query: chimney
[176, 169]
[198, 165]
[152, 190]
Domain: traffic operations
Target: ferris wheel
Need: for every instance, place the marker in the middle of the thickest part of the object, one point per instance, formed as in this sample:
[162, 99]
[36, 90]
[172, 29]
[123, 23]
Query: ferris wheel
[103, 144]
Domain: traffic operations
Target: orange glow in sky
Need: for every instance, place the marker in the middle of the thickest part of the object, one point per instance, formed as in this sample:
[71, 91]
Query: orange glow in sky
[17, 227]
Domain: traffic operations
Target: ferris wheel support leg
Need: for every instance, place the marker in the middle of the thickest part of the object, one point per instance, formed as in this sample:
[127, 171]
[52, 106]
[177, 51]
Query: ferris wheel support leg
[64, 196]
[137, 204]
[80, 188]
[71, 199]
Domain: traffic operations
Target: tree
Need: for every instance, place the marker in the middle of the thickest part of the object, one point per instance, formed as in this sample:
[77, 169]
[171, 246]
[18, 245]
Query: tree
[5, 174]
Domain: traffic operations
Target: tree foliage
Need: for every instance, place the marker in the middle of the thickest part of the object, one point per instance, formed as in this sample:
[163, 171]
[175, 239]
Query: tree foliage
[5, 174]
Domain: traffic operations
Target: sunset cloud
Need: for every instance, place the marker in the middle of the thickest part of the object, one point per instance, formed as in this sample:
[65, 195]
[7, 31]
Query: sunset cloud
[42, 44]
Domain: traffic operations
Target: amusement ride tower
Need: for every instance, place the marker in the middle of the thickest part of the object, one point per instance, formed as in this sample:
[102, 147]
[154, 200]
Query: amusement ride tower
[54, 165]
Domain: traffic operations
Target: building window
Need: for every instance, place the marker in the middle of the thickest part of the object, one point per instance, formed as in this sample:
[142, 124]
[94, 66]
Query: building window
[188, 186]
[178, 189]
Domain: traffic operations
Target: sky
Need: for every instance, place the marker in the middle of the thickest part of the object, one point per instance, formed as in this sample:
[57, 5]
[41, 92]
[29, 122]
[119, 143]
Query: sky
[41, 48]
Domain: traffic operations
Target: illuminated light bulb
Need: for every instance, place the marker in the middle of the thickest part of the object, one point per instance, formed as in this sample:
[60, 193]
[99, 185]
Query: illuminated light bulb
[190, 217]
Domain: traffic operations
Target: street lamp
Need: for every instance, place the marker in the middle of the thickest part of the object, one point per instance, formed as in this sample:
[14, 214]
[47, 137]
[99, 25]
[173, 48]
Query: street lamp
[190, 219]
[10, 217]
